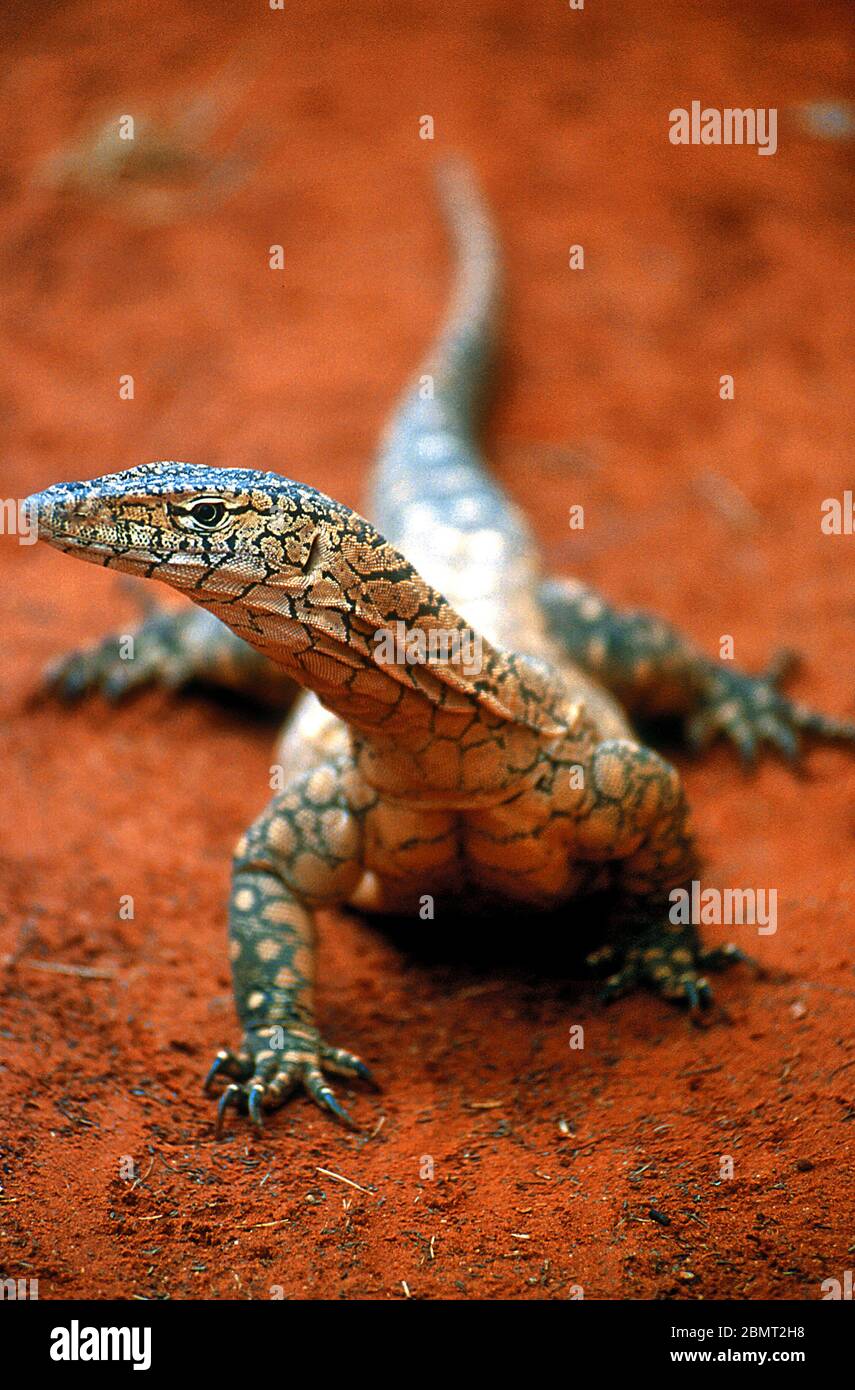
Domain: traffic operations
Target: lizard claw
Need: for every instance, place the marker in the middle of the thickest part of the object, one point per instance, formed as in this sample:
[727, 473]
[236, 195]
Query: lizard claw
[669, 962]
[752, 710]
[323, 1095]
[273, 1063]
[231, 1096]
[226, 1063]
[256, 1091]
[343, 1063]
[722, 957]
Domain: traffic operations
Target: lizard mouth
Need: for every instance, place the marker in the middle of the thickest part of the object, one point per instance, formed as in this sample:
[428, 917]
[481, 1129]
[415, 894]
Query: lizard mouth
[63, 528]
[97, 541]
[68, 535]
[116, 542]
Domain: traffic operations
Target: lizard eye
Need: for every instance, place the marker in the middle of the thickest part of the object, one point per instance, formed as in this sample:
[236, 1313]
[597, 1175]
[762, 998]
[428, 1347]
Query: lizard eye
[208, 515]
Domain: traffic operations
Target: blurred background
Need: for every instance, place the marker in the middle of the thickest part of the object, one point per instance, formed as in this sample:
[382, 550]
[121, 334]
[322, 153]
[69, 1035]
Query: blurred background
[257, 127]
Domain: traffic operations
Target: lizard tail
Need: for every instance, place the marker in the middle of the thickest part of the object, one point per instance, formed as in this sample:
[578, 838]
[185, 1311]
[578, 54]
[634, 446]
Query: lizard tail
[460, 359]
[429, 450]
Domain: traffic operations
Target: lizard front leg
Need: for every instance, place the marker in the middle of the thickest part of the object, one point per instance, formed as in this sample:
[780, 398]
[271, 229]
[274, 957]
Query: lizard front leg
[654, 670]
[170, 648]
[635, 820]
[304, 852]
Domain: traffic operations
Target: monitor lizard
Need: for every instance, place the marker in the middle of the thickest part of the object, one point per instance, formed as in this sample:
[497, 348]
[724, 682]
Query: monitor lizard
[512, 780]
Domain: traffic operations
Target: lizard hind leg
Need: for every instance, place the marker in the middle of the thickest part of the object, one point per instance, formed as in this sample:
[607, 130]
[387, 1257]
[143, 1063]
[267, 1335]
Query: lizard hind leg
[668, 962]
[654, 670]
[671, 962]
[753, 710]
[635, 819]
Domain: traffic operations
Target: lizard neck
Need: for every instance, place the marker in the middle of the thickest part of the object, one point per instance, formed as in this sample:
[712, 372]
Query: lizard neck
[436, 712]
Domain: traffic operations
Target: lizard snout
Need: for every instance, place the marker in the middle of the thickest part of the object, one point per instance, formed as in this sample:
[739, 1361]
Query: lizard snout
[38, 509]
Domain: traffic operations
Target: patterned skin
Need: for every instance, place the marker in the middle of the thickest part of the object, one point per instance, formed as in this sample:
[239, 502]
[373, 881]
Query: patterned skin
[515, 778]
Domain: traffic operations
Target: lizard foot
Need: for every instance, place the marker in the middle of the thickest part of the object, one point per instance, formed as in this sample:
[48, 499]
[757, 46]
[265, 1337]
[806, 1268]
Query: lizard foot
[671, 963]
[750, 710]
[158, 652]
[272, 1063]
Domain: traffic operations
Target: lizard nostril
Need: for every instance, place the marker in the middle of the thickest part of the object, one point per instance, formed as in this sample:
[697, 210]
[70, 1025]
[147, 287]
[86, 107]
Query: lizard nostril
[37, 510]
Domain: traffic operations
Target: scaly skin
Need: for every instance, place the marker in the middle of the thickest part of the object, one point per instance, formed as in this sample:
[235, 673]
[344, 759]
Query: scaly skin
[516, 779]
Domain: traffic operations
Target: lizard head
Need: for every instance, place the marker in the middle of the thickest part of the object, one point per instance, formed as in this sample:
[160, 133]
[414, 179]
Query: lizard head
[282, 564]
[296, 574]
[210, 531]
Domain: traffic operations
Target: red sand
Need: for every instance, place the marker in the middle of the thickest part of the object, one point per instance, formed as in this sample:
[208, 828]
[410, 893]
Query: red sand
[699, 262]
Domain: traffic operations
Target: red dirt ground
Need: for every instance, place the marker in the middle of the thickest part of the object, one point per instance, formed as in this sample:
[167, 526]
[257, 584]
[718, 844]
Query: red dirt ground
[699, 261]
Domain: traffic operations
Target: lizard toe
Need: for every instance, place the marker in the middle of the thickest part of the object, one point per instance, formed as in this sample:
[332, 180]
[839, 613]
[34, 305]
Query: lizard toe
[623, 981]
[273, 1063]
[723, 957]
[323, 1095]
[233, 1095]
[227, 1063]
[343, 1063]
[254, 1097]
[752, 711]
